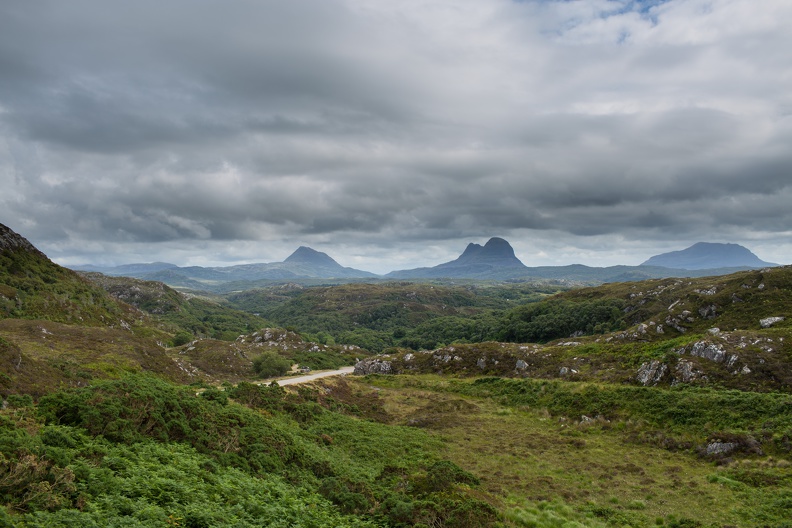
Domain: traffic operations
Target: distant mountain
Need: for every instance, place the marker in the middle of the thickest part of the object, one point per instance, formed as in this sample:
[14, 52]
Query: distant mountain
[306, 255]
[493, 260]
[304, 263]
[496, 261]
[127, 270]
[706, 255]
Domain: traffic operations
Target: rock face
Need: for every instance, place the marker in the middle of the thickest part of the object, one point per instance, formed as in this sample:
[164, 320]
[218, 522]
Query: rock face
[705, 255]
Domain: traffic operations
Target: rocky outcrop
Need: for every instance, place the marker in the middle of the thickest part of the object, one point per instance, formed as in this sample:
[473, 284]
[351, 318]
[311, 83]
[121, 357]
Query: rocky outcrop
[373, 366]
[650, 373]
[711, 351]
[686, 372]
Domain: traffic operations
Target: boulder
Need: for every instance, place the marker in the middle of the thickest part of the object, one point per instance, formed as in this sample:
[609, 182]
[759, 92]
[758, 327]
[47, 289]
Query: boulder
[651, 372]
[767, 322]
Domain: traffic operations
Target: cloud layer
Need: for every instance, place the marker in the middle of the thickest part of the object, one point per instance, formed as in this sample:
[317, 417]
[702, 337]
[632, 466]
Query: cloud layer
[390, 134]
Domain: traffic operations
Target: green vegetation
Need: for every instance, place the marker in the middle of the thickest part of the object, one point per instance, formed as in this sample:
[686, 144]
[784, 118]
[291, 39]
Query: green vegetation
[187, 317]
[420, 315]
[142, 452]
[558, 318]
[659, 403]
[33, 287]
[270, 365]
[596, 455]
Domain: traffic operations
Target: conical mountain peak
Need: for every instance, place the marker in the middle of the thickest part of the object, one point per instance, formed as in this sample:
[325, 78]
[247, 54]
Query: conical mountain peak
[306, 255]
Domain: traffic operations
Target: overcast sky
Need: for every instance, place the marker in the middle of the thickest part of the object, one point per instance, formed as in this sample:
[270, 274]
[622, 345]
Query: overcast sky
[389, 134]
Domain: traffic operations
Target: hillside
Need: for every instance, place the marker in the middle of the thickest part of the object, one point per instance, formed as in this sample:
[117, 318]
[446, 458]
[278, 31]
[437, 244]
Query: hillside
[377, 316]
[60, 329]
[705, 255]
[734, 331]
[177, 312]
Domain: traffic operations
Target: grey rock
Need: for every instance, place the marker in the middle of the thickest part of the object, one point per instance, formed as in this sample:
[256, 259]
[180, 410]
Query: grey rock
[767, 322]
[481, 363]
[685, 372]
[713, 352]
[373, 366]
[674, 323]
[651, 372]
[720, 448]
[521, 365]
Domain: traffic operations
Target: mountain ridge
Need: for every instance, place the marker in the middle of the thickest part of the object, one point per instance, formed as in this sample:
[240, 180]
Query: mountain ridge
[303, 263]
[495, 260]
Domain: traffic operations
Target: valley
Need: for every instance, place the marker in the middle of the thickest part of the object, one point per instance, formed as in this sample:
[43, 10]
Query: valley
[515, 403]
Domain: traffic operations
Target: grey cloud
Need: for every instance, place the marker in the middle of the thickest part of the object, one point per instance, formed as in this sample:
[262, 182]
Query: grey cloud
[226, 124]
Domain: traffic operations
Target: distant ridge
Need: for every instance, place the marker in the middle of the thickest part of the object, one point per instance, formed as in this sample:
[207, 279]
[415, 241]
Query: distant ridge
[304, 263]
[708, 255]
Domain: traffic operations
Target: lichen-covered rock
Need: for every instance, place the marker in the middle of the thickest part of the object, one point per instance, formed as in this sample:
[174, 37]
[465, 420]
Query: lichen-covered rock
[373, 366]
[686, 372]
[767, 322]
[720, 448]
[713, 352]
[651, 372]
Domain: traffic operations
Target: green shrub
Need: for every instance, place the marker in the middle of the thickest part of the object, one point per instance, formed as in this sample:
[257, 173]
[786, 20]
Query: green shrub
[270, 364]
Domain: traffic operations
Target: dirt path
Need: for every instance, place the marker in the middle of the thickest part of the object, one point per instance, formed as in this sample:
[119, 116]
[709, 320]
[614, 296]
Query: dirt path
[316, 375]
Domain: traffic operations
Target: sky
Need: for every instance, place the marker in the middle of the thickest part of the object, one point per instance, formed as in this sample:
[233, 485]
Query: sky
[392, 134]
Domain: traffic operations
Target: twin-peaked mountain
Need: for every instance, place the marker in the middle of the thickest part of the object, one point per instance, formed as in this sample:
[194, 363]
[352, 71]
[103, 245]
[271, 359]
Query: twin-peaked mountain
[493, 260]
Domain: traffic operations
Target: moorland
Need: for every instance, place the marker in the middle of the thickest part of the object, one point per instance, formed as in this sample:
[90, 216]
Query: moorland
[664, 402]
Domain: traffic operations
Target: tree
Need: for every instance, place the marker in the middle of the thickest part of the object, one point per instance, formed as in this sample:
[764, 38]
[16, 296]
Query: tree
[270, 364]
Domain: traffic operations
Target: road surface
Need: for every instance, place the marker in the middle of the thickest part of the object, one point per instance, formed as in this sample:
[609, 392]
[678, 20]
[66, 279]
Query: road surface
[295, 380]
